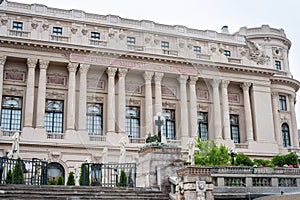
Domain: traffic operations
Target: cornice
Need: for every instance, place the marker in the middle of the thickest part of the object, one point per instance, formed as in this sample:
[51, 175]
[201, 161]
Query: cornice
[286, 81]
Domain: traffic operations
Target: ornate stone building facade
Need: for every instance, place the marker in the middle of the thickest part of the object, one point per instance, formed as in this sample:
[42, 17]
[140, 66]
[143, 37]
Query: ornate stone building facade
[76, 83]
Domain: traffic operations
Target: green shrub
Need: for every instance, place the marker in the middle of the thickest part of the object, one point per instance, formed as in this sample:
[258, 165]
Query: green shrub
[84, 175]
[243, 160]
[71, 179]
[17, 174]
[9, 177]
[60, 180]
[123, 179]
[151, 139]
[52, 182]
[288, 159]
[262, 162]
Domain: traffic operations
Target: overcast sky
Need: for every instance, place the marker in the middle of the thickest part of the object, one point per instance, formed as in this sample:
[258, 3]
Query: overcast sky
[203, 15]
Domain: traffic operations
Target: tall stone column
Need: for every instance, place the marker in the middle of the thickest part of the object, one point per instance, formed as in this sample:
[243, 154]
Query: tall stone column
[193, 106]
[293, 131]
[183, 111]
[158, 100]
[275, 107]
[72, 67]
[217, 108]
[247, 111]
[148, 103]
[2, 63]
[40, 111]
[111, 72]
[29, 103]
[226, 120]
[122, 100]
[82, 96]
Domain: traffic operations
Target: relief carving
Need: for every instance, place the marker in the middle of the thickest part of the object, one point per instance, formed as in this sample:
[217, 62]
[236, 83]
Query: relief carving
[257, 53]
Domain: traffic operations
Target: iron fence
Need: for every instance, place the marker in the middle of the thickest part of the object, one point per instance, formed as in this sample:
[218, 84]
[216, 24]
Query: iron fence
[34, 171]
[110, 175]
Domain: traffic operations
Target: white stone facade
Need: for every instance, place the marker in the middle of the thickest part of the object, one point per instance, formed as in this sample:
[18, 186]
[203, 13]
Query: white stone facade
[78, 58]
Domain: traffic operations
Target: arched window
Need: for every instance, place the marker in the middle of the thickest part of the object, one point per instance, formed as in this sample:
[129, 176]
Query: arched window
[234, 128]
[55, 170]
[203, 125]
[169, 126]
[133, 121]
[285, 135]
[94, 118]
[54, 116]
[11, 114]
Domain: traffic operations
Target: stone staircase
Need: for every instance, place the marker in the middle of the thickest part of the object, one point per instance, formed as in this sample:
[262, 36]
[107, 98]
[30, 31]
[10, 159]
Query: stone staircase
[32, 192]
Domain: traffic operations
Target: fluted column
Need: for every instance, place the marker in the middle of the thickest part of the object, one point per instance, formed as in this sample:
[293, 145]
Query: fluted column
[193, 106]
[247, 111]
[217, 108]
[183, 111]
[2, 63]
[293, 131]
[111, 72]
[225, 105]
[72, 67]
[40, 111]
[275, 107]
[29, 103]
[158, 101]
[148, 103]
[122, 100]
[82, 96]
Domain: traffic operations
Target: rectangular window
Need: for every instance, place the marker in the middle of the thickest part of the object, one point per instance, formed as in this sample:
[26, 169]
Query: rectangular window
[11, 113]
[169, 126]
[130, 40]
[203, 125]
[133, 121]
[234, 128]
[95, 35]
[277, 64]
[94, 119]
[164, 44]
[197, 49]
[57, 31]
[18, 26]
[227, 53]
[282, 102]
[54, 116]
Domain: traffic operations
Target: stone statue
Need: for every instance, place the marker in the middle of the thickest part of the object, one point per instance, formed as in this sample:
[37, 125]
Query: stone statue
[191, 146]
[257, 53]
[104, 155]
[122, 150]
[14, 152]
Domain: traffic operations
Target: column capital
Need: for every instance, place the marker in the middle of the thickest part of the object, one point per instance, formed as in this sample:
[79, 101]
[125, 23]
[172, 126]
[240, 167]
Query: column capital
[274, 95]
[158, 76]
[245, 86]
[292, 98]
[182, 79]
[215, 82]
[111, 72]
[193, 80]
[44, 64]
[224, 83]
[148, 76]
[122, 72]
[84, 68]
[31, 62]
[72, 67]
[2, 60]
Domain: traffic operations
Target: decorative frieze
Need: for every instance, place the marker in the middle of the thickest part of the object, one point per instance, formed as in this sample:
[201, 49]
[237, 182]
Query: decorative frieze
[169, 105]
[14, 76]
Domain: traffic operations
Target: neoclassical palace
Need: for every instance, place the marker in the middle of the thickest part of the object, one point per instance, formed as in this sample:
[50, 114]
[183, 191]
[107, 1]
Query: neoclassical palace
[78, 86]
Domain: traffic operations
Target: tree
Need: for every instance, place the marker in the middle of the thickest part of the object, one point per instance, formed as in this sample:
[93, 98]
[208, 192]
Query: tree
[209, 153]
[84, 175]
[60, 180]
[242, 159]
[71, 179]
[123, 179]
[9, 177]
[17, 174]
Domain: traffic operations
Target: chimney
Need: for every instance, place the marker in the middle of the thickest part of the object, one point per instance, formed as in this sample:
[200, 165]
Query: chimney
[224, 29]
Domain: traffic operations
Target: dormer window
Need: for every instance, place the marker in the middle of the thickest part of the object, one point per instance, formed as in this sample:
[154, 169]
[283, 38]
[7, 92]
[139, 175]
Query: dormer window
[227, 53]
[130, 40]
[277, 64]
[95, 35]
[197, 49]
[165, 44]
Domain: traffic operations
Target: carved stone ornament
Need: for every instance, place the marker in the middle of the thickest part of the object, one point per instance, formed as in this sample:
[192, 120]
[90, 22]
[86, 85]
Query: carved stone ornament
[156, 41]
[4, 20]
[74, 30]
[121, 35]
[257, 53]
[34, 24]
[147, 39]
[55, 156]
[45, 26]
[84, 31]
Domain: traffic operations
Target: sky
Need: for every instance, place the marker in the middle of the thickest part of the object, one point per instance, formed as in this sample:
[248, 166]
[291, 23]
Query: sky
[203, 15]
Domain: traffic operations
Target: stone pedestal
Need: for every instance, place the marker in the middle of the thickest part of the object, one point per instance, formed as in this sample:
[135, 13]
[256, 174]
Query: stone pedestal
[156, 164]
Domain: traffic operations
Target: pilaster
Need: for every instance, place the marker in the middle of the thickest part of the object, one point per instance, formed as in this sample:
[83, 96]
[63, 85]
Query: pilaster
[193, 107]
[2, 63]
[82, 96]
[72, 67]
[111, 72]
[148, 103]
[122, 100]
[247, 111]
[225, 105]
[183, 111]
[158, 101]
[293, 132]
[215, 83]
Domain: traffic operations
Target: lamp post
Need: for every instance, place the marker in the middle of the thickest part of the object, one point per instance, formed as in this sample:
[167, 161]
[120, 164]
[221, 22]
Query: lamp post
[232, 153]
